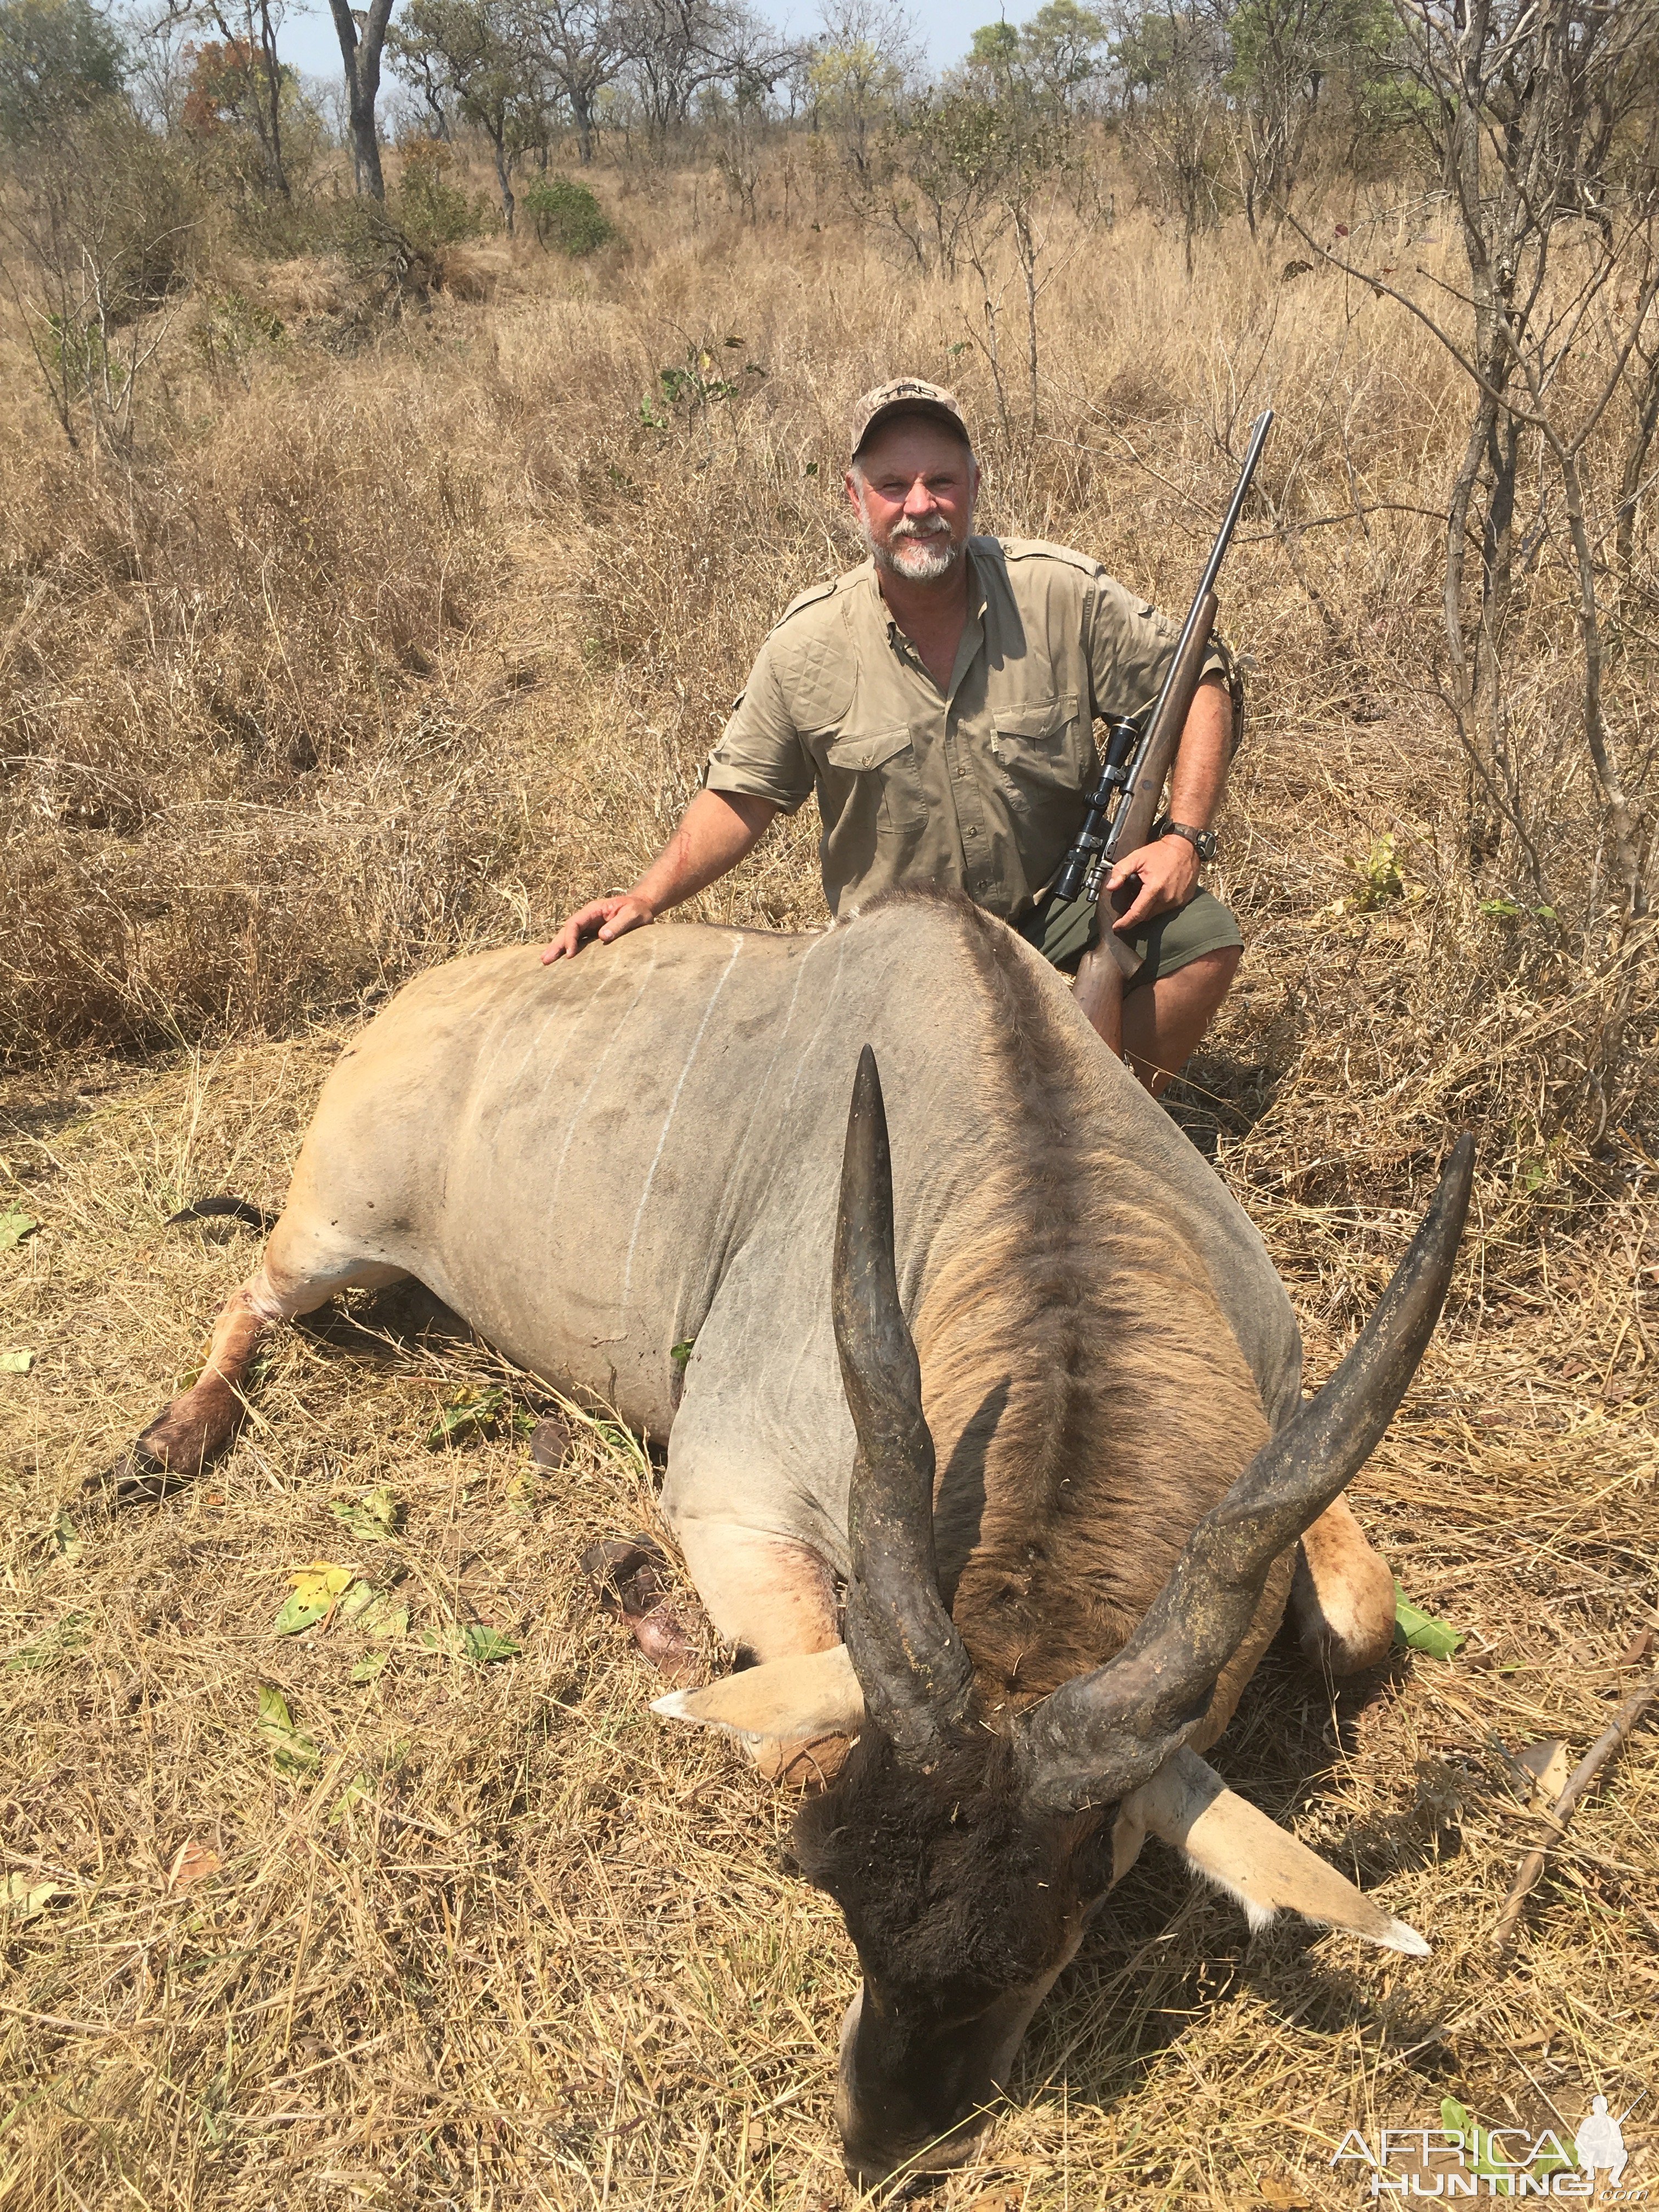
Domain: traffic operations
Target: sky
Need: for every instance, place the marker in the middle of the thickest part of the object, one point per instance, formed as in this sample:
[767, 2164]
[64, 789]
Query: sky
[308, 43]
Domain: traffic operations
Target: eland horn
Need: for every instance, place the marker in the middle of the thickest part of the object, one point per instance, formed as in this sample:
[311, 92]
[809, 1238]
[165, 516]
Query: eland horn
[916, 1673]
[1102, 1735]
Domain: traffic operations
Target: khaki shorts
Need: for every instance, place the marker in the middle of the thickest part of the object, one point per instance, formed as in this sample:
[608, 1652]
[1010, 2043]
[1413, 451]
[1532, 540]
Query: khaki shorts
[1063, 929]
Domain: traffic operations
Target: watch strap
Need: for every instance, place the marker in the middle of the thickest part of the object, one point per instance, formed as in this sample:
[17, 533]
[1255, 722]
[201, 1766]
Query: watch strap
[1201, 841]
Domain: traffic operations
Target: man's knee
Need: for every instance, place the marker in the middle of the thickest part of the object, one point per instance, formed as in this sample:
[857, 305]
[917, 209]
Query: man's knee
[1206, 980]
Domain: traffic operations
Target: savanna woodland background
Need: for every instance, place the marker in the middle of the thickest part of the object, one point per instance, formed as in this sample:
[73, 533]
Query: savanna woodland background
[396, 476]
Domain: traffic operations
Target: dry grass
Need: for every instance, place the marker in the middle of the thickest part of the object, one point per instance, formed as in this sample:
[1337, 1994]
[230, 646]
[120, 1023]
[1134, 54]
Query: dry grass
[378, 652]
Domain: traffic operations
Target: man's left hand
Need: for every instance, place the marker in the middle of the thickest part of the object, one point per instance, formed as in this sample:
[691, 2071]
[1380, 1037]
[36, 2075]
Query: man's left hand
[1168, 869]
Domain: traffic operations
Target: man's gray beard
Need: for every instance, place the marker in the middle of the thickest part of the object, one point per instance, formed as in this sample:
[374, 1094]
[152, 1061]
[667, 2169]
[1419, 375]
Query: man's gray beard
[932, 556]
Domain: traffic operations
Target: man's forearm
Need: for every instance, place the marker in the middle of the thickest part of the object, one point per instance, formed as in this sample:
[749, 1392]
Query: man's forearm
[1200, 781]
[713, 834]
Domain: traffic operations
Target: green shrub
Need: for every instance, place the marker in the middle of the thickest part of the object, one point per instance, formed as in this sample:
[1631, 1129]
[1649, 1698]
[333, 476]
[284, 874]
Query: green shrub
[434, 211]
[567, 215]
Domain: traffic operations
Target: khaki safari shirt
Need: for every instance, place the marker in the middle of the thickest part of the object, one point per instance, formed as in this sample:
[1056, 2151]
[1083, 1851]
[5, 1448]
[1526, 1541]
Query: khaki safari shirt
[978, 786]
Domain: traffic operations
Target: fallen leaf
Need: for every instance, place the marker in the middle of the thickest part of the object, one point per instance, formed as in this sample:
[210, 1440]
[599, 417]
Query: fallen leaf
[66, 1538]
[473, 1413]
[367, 1669]
[290, 1751]
[375, 1517]
[1638, 1649]
[16, 1363]
[24, 1897]
[1421, 1631]
[14, 1228]
[1279, 2190]
[1547, 1763]
[318, 1590]
[66, 1635]
[482, 1646]
[377, 1612]
[357, 1792]
[192, 1861]
[551, 1441]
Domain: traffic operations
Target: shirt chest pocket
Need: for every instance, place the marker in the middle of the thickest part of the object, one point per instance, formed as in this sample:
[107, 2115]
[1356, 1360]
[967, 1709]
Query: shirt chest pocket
[1043, 741]
[884, 775]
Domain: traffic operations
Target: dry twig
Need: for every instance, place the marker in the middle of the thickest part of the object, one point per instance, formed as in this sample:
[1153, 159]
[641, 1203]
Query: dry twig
[1605, 1747]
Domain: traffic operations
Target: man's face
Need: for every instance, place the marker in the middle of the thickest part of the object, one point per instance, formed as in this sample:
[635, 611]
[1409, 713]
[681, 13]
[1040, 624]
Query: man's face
[913, 490]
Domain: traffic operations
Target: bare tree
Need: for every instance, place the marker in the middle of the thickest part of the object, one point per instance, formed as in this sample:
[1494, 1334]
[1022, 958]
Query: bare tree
[1524, 103]
[362, 44]
[582, 46]
[676, 48]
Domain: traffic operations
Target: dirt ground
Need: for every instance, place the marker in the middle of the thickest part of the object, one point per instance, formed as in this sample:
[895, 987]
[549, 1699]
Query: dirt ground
[483, 1931]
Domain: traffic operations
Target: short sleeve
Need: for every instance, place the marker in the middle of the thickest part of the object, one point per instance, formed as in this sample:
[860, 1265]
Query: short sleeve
[1129, 648]
[760, 753]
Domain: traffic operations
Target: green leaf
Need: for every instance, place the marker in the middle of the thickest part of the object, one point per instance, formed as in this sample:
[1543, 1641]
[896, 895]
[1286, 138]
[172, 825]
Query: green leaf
[679, 1353]
[367, 1670]
[14, 1228]
[359, 1790]
[469, 1414]
[25, 1899]
[318, 1590]
[67, 1635]
[1421, 1631]
[1477, 2153]
[290, 1751]
[16, 1363]
[66, 1538]
[482, 1646]
[478, 1645]
[373, 1517]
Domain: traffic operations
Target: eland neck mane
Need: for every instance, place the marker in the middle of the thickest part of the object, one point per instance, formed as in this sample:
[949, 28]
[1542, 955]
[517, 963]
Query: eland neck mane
[1077, 1367]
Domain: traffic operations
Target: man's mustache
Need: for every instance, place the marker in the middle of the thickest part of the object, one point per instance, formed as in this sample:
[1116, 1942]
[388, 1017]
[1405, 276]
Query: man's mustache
[939, 528]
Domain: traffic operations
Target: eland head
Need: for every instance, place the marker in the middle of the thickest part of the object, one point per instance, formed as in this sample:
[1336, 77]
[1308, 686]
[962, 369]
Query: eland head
[967, 1846]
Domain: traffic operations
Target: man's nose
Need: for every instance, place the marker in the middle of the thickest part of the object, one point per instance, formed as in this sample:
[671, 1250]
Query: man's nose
[919, 501]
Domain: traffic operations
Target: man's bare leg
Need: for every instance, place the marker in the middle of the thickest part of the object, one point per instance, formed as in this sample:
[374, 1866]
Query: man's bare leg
[1163, 1023]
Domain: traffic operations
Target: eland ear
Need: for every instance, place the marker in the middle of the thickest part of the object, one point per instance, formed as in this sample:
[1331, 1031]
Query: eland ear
[790, 1700]
[1251, 1857]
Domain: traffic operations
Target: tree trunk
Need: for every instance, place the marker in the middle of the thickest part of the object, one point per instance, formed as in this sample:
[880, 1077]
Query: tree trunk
[503, 170]
[359, 55]
[277, 176]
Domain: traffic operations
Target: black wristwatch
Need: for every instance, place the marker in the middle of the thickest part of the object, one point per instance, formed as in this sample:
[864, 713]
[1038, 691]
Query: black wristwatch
[1201, 841]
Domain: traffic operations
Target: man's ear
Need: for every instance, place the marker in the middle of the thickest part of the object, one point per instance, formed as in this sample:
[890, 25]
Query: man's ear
[781, 1701]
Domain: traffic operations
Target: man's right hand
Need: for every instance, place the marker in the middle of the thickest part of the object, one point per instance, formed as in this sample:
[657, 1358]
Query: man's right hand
[603, 918]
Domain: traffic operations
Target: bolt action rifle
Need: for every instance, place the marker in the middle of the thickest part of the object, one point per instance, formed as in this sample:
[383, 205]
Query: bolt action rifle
[1125, 798]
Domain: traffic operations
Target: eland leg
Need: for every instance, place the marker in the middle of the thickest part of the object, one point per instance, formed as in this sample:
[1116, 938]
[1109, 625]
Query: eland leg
[1342, 1598]
[301, 1270]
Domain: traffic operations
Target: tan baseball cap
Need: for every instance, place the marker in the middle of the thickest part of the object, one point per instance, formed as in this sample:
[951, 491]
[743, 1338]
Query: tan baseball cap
[907, 395]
